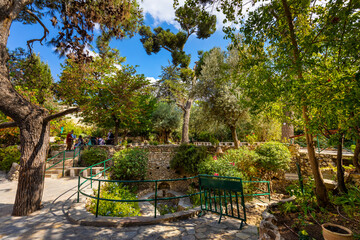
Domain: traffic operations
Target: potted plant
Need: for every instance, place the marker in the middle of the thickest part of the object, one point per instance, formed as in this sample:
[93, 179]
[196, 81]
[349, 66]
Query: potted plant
[336, 232]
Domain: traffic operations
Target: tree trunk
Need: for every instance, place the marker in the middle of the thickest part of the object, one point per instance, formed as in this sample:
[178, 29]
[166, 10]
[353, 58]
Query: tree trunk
[356, 156]
[339, 169]
[34, 145]
[116, 134]
[287, 129]
[34, 128]
[234, 136]
[186, 121]
[166, 140]
[320, 189]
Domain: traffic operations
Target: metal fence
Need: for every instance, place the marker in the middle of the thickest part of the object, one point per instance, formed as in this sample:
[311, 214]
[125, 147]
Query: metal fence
[218, 194]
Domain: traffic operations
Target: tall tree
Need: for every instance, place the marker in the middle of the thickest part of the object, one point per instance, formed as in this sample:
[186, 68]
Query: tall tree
[166, 118]
[108, 92]
[75, 21]
[299, 36]
[193, 19]
[222, 97]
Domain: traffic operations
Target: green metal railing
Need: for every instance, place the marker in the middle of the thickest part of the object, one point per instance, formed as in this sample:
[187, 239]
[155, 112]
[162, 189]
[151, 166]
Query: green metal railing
[221, 195]
[235, 191]
[76, 152]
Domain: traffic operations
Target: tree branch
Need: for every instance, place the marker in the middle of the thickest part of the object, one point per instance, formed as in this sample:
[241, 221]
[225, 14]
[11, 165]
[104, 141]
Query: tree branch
[181, 106]
[46, 31]
[8, 125]
[60, 114]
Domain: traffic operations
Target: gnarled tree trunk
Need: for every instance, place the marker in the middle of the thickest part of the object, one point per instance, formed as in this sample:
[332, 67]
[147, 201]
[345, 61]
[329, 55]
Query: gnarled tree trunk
[32, 120]
[34, 145]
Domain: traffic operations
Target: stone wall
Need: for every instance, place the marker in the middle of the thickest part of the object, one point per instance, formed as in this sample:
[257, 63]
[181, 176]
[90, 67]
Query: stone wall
[326, 161]
[159, 166]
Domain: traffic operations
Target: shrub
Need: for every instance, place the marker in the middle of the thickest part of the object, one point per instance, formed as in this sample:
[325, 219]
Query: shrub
[115, 191]
[8, 156]
[220, 166]
[273, 156]
[195, 199]
[92, 156]
[130, 164]
[188, 157]
[244, 159]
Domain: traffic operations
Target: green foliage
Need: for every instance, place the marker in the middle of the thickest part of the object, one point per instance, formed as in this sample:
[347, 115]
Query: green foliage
[195, 199]
[109, 95]
[305, 201]
[193, 19]
[273, 156]
[288, 207]
[130, 164]
[92, 156]
[9, 155]
[31, 76]
[303, 235]
[223, 100]
[165, 209]
[188, 157]
[349, 202]
[219, 166]
[166, 118]
[244, 159]
[115, 191]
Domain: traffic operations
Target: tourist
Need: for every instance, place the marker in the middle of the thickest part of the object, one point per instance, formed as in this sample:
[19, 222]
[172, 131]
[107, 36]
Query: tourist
[69, 140]
[80, 142]
[101, 141]
[110, 138]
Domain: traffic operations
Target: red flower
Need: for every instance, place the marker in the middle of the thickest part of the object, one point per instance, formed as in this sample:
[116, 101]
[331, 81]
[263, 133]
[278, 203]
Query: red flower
[232, 163]
[329, 80]
[253, 133]
[216, 174]
[214, 158]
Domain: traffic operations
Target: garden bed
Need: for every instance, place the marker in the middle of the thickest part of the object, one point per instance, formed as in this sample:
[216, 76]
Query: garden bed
[290, 224]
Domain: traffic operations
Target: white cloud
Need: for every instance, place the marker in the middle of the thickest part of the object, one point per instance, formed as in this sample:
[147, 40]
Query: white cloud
[151, 79]
[89, 52]
[163, 12]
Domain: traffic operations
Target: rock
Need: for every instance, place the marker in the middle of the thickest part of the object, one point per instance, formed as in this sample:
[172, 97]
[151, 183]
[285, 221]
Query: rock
[13, 174]
[269, 231]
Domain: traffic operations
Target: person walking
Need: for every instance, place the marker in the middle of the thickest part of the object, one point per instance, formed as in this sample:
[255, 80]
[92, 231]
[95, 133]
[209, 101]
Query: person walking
[69, 140]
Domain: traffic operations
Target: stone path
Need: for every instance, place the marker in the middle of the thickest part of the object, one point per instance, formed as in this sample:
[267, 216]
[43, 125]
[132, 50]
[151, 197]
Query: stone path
[51, 223]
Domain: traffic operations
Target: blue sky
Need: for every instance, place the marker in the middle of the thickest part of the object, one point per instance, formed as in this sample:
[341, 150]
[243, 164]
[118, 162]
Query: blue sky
[157, 13]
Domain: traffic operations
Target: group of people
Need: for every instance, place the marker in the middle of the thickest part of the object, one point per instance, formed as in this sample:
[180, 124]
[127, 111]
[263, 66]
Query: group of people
[70, 138]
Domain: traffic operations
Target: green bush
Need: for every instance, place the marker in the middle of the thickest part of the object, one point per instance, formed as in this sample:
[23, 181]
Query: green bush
[195, 199]
[188, 157]
[8, 156]
[245, 160]
[219, 166]
[92, 156]
[273, 156]
[115, 191]
[130, 164]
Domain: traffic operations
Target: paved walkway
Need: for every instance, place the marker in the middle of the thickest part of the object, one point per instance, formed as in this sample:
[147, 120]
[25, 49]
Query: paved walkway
[51, 223]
